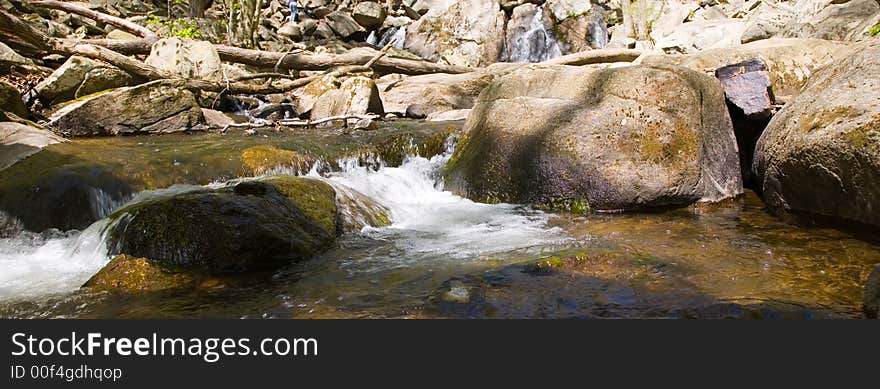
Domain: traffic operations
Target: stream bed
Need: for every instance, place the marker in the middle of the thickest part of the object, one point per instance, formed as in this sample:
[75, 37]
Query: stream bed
[443, 256]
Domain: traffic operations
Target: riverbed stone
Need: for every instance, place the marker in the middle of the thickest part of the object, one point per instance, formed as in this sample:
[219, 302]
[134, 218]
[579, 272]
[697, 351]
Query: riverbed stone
[820, 154]
[573, 138]
[872, 295]
[369, 14]
[10, 100]
[78, 77]
[127, 274]
[747, 86]
[151, 108]
[251, 226]
[188, 58]
[355, 96]
[19, 141]
[343, 24]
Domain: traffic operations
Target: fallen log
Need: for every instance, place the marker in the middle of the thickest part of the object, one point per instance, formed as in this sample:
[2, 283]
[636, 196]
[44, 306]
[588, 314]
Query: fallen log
[596, 56]
[74, 8]
[263, 59]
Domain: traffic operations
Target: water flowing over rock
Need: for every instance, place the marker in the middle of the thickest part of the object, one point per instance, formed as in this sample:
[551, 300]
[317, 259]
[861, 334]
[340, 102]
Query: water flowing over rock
[79, 77]
[155, 107]
[187, 58]
[529, 38]
[252, 226]
[465, 33]
[576, 139]
[820, 154]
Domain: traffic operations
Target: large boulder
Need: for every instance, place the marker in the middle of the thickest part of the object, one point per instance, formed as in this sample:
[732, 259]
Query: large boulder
[579, 138]
[820, 154]
[343, 24]
[790, 62]
[696, 36]
[18, 141]
[464, 33]
[252, 226]
[10, 100]
[430, 93]
[78, 77]
[822, 19]
[155, 107]
[369, 14]
[355, 96]
[187, 58]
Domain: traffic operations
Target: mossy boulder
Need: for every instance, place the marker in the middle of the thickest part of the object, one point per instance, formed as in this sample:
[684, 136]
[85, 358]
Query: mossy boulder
[251, 226]
[576, 139]
[10, 100]
[820, 154]
[80, 76]
[265, 158]
[151, 108]
[129, 274]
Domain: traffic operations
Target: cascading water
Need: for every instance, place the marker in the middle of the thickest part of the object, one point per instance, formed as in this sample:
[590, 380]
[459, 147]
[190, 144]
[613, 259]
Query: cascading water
[528, 38]
[427, 224]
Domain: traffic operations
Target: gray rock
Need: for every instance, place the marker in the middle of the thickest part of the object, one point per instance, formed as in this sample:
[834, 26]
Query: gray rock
[369, 14]
[464, 33]
[187, 58]
[747, 86]
[354, 96]
[574, 138]
[343, 24]
[78, 77]
[155, 107]
[10, 57]
[10, 100]
[820, 155]
[19, 141]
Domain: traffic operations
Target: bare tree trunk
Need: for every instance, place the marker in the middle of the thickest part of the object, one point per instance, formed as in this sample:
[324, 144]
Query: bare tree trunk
[197, 8]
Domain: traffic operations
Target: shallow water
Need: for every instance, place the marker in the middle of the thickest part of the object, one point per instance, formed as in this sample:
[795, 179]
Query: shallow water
[445, 256]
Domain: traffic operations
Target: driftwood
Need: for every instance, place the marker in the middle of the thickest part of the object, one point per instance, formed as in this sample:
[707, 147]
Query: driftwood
[596, 56]
[263, 123]
[74, 8]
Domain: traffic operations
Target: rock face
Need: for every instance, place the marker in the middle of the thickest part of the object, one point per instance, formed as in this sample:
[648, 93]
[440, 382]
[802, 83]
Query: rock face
[155, 107]
[80, 77]
[369, 14]
[607, 139]
[18, 141]
[822, 19]
[10, 100]
[354, 96]
[790, 62]
[464, 33]
[187, 58]
[255, 225]
[820, 154]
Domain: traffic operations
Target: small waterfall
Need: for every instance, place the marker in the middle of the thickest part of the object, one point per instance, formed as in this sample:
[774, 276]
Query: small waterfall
[528, 38]
[398, 34]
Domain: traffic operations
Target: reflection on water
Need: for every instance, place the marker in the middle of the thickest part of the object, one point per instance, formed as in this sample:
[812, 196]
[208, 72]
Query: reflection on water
[445, 256]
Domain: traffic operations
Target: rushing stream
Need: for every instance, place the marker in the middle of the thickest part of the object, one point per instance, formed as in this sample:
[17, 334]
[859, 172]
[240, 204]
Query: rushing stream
[446, 256]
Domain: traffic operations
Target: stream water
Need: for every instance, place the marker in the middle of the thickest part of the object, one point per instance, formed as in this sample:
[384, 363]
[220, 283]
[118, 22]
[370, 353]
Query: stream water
[446, 256]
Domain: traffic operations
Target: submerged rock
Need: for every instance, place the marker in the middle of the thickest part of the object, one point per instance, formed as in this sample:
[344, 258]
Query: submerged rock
[18, 141]
[252, 226]
[265, 158]
[154, 107]
[577, 138]
[78, 77]
[128, 274]
[820, 154]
